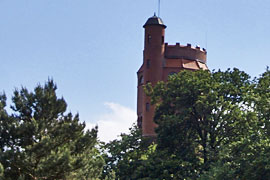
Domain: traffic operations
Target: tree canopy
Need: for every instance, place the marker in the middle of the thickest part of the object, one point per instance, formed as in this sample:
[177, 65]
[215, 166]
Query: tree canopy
[211, 125]
[203, 117]
[40, 140]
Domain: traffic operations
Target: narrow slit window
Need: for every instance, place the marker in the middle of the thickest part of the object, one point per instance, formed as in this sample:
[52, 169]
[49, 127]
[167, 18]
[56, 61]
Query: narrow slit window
[162, 40]
[139, 122]
[141, 79]
[148, 63]
[149, 38]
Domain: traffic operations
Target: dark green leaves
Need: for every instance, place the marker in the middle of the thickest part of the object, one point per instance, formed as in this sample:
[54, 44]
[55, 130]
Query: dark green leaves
[40, 140]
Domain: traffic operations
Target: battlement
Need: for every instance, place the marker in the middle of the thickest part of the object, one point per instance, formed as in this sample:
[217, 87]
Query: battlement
[188, 52]
[197, 47]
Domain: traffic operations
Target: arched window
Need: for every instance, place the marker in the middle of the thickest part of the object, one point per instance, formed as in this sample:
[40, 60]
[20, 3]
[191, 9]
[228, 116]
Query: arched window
[141, 79]
[147, 107]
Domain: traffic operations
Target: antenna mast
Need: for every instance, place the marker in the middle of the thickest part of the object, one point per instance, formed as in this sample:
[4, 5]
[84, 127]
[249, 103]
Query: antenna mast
[158, 8]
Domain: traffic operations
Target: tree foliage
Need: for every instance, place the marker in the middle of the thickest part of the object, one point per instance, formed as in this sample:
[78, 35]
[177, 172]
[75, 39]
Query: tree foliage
[40, 140]
[1, 171]
[200, 112]
[123, 156]
[211, 125]
[249, 158]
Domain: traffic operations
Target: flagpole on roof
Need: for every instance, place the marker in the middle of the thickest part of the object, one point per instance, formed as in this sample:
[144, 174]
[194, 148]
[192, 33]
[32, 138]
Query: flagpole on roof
[158, 8]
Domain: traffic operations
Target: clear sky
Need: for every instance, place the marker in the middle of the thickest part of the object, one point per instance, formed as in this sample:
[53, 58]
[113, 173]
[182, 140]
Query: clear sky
[93, 48]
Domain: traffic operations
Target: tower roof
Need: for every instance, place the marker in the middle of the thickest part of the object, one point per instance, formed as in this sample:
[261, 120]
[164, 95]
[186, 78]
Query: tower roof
[154, 20]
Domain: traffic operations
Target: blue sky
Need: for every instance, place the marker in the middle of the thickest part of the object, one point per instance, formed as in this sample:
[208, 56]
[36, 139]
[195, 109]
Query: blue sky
[93, 48]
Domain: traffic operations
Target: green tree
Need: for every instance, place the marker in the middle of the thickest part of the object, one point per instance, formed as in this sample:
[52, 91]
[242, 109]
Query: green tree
[40, 140]
[123, 157]
[1, 171]
[197, 114]
[262, 100]
[210, 126]
[249, 157]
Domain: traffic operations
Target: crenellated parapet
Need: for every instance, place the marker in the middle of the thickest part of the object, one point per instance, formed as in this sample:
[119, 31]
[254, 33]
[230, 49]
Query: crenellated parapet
[187, 52]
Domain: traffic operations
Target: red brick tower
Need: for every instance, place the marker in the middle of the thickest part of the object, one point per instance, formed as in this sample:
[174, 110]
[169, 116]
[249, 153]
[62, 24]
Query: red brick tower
[159, 61]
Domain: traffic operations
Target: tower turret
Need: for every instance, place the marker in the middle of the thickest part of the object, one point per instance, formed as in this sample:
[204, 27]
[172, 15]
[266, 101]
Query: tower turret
[159, 61]
[154, 48]
[151, 70]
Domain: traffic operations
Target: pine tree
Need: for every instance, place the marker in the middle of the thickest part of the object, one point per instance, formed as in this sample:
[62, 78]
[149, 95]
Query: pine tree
[40, 140]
